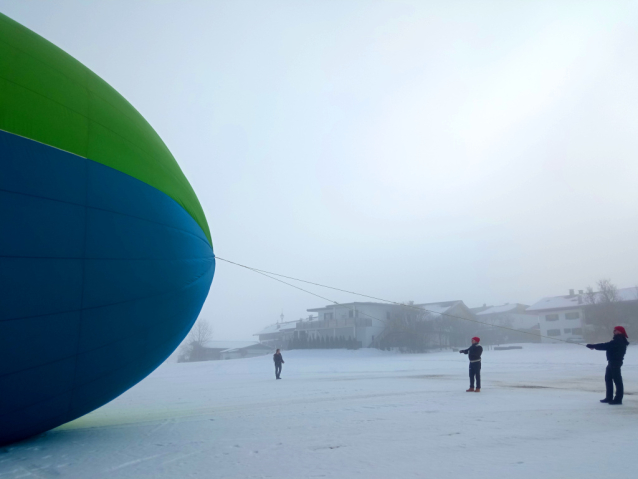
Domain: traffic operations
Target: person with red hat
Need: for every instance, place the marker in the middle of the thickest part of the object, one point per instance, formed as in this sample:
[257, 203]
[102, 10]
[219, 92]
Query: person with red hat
[474, 354]
[616, 349]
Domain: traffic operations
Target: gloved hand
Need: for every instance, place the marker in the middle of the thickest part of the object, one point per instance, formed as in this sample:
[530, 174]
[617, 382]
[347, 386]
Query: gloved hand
[590, 346]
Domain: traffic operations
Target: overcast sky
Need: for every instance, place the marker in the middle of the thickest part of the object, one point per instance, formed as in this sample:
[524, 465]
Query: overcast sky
[415, 150]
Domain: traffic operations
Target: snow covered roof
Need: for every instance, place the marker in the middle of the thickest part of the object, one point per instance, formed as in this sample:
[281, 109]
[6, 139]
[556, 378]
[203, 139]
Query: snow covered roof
[441, 307]
[578, 300]
[438, 308]
[504, 308]
[274, 328]
[251, 346]
[347, 305]
[228, 344]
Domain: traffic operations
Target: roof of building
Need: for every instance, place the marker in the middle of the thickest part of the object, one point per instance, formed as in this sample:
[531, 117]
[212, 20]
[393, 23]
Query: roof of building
[440, 307]
[437, 308]
[274, 328]
[503, 309]
[578, 300]
[349, 305]
[478, 309]
[254, 346]
[228, 344]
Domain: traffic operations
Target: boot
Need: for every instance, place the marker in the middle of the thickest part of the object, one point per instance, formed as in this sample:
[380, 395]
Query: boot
[605, 400]
[471, 390]
[477, 390]
[615, 402]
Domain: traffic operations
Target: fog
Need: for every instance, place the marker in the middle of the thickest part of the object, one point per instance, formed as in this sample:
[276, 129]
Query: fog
[426, 151]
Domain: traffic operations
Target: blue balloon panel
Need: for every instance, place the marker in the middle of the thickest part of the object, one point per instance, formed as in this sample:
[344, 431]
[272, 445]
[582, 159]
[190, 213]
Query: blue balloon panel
[101, 277]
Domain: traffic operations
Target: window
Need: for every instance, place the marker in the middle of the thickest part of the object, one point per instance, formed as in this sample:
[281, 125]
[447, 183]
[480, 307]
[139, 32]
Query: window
[567, 331]
[551, 317]
[578, 331]
[327, 315]
[553, 332]
[572, 315]
[351, 314]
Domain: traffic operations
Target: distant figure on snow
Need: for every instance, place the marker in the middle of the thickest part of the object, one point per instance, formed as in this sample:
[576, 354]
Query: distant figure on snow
[616, 349]
[278, 362]
[474, 353]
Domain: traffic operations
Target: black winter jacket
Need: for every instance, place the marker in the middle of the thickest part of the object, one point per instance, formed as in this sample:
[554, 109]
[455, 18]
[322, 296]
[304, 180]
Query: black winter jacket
[277, 358]
[474, 352]
[615, 348]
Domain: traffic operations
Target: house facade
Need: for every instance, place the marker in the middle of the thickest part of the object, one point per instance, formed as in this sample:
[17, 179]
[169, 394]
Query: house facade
[561, 317]
[362, 322]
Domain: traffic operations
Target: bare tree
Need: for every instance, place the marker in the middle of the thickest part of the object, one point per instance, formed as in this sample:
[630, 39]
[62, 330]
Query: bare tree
[603, 311]
[192, 348]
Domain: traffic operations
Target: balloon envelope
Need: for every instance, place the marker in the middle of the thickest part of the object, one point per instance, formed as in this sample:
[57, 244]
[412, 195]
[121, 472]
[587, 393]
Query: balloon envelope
[105, 253]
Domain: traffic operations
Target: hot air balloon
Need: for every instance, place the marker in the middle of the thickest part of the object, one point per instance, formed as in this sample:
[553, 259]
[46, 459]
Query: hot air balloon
[105, 253]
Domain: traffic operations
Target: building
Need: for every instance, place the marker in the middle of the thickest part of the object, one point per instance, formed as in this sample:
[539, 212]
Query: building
[210, 350]
[251, 351]
[278, 335]
[560, 317]
[369, 324]
[362, 322]
[448, 323]
[565, 317]
[410, 326]
[512, 316]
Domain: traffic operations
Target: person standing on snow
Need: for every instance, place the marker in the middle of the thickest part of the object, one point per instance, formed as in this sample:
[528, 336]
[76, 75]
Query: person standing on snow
[474, 354]
[279, 360]
[616, 349]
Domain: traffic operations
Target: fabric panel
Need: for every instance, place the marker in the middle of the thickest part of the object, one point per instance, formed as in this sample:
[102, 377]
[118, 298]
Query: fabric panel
[96, 298]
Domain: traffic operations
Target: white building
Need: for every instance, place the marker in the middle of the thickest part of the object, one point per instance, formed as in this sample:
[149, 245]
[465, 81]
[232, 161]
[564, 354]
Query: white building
[379, 324]
[362, 322]
[563, 317]
[367, 324]
[560, 317]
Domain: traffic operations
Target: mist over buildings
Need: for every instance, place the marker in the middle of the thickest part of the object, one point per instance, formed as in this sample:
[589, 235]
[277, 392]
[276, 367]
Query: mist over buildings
[409, 150]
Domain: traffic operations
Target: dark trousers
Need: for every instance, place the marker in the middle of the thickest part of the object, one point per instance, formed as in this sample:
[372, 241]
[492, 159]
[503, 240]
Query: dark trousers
[277, 370]
[475, 372]
[613, 376]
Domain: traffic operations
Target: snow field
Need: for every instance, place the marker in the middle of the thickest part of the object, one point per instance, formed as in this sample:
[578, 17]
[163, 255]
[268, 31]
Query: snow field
[348, 414]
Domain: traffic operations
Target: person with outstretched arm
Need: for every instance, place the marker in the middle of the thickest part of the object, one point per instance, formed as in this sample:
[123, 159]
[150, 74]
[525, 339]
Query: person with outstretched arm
[474, 354]
[279, 360]
[615, 349]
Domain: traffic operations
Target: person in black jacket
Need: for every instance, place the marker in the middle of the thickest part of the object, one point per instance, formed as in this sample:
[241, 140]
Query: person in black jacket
[279, 360]
[474, 354]
[616, 349]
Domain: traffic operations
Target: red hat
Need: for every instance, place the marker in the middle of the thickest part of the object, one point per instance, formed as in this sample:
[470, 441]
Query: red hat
[622, 331]
[478, 340]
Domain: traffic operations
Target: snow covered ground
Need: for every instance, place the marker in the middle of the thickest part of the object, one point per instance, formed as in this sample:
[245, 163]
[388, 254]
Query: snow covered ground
[349, 414]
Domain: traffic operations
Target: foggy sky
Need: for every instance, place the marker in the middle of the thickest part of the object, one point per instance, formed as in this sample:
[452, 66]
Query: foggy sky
[426, 151]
